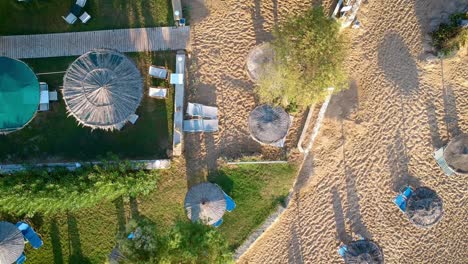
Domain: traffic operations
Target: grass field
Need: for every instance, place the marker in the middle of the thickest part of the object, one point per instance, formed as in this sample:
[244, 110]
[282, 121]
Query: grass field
[88, 236]
[52, 136]
[45, 16]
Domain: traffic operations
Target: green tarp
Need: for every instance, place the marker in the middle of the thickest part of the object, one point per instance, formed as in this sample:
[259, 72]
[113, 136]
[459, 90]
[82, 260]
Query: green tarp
[19, 94]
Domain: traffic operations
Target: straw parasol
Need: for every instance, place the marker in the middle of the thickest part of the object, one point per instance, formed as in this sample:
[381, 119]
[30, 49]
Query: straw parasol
[456, 154]
[363, 251]
[102, 88]
[19, 95]
[424, 207]
[11, 243]
[268, 124]
[259, 58]
[205, 202]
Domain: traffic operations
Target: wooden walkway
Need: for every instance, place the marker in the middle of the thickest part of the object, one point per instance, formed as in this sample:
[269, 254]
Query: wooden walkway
[78, 43]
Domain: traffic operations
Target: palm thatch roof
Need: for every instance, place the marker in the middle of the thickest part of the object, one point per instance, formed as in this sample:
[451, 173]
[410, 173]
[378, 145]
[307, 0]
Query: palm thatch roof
[11, 243]
[205, 202]
[363, 251]
[268, 124]
[259, 58]
[102, 88]
[424, 207]
[456, 154]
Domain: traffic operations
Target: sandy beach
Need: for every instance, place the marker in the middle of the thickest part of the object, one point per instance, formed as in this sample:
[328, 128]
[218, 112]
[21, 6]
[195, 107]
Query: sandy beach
[377, 136]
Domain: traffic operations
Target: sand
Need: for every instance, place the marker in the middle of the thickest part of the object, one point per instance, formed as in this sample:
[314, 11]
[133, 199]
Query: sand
[376, 137]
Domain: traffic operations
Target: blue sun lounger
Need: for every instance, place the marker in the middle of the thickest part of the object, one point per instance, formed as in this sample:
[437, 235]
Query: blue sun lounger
[30, 235]
[342, 250]
[402, 197]
[230, 204]
[21, 259]
[218, 223]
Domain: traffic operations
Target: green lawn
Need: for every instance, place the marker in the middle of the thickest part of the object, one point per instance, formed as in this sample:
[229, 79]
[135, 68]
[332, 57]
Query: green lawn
[52, 136]
[88, 236]
[45, 16]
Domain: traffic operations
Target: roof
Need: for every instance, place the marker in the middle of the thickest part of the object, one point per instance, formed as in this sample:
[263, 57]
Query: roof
[456, 154]
[19, 94]
[205, 202]
[102, 88]
[11, 242]
[424, 207]
[268, 124]
[363, 251]
[259, 57]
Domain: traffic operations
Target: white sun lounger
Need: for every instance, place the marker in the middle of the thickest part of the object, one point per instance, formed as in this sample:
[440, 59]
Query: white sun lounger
[439, 157]
[85, 17]
[200, 125]
[53, 96]
[133, 118]
[81, 3]
[71, 18]
[159, 92]
[157, 72]
[203, 111]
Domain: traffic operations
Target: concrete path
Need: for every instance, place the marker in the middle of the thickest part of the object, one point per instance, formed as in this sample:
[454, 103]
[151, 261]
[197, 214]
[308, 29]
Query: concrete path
[77, 43]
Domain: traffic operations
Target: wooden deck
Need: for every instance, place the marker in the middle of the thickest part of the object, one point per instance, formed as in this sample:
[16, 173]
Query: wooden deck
[78, 43]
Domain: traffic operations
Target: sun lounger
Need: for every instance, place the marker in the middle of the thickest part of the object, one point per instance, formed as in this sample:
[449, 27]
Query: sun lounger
[345, 9]
[182, 22]
[133, 118]
[193, 125]
[81, 3]
[439, 157]
[159, 92]
[158, 72]
[21, 259]
[44, 97]
[337, 8]
[230, 204]
[176, 78]
[342, 250]
[131, 235]
[30, 235]
[85, 17]
[70, 18]
[203, 111]
[218, 223]
[402, 198]
[210, 125]
[53, 96]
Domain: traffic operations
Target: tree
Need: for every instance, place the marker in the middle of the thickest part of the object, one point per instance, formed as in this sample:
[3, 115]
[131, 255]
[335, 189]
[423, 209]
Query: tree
[309, 53]
[144, 246]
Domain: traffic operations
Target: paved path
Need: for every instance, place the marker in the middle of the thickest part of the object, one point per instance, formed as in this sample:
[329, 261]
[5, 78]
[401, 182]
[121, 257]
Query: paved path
[77, 43]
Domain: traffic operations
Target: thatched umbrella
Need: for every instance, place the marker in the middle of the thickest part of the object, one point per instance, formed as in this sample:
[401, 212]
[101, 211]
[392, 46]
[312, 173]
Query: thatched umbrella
[363, 251]
[102, 88]
[19, 95]
[11, 243]
[259, 58]
[424, 207]
[456, 154]
[205, 202]
[268, 124]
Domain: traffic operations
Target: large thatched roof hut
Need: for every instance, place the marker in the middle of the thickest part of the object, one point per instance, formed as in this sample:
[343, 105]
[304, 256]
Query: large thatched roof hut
[102, 88]
[19, 95]
[268, 124]
[456, 154]
[363, 251]
[205, 202]
[424, 207]
[11, 243]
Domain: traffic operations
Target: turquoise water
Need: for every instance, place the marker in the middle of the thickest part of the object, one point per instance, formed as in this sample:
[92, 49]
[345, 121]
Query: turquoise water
[19, 94]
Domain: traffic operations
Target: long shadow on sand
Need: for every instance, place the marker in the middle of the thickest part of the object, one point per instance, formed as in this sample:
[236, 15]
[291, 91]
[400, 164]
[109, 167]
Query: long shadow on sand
[343, 236]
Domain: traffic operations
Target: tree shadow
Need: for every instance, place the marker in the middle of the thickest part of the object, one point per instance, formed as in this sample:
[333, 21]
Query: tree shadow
[294, 249]
[307, 170]
[258, 21]
[433, 126]
[135, 212]
[398, 64]
[451, 114]
[74, 242]
[398, 161]
[344, 103]
[54, 234]
[223, 180]
[197, 10]
[342, 235]
[120, 210]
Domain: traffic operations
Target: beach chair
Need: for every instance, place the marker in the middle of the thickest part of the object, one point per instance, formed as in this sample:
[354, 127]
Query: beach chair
[85, 17]
[70, 18]
[202, 111]
[30, 235]
[81, 3]
[230, 204]
[337, 8]
[218, 223]
[176, 78]
[182, 22]
[158, 72]
[193, 125]
[402, 198]
[439, 157]
[53, 96]
[210, 125]
[133, 118]
[44, 97]
[342, 250]
[21, 259]
[131, 236]
[158, 92]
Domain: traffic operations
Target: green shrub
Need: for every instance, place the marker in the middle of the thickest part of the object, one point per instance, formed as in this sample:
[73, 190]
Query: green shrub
[144, 246]
[40, 191]
[309, 55]
[449, 38]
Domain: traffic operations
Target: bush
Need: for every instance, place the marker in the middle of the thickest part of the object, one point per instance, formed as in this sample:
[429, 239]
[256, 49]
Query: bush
[143, 247]
[309, 55]
[40, 191]
[449, 38]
